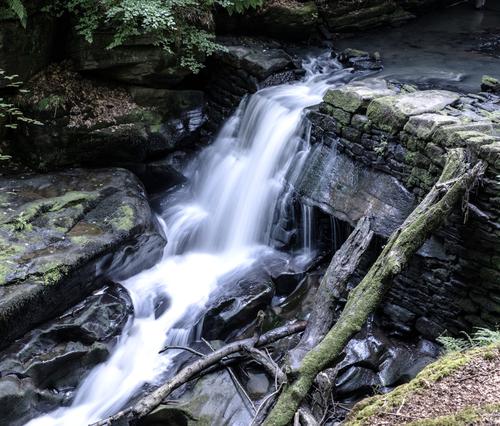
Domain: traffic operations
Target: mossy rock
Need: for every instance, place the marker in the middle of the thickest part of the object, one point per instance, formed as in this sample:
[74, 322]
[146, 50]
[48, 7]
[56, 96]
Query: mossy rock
[490, 84]
[55, 228]
[356, 96]
[391, 113]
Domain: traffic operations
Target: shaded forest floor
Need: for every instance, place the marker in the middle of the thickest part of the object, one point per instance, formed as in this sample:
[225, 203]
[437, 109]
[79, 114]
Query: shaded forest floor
[459, 389]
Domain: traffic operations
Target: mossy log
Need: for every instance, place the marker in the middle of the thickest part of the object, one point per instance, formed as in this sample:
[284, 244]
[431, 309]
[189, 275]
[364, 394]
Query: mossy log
[333, 287]
[456, 180]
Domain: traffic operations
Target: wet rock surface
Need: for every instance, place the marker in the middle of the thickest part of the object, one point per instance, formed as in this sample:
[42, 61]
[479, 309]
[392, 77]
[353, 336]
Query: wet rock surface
[334, 182]
[39, 372]
[374, 361]
[212, 399]
[61, 234]
[235, 302]
[360, 60]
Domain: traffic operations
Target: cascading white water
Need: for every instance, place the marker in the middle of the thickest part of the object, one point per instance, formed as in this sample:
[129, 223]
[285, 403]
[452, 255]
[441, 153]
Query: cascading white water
[220, 223]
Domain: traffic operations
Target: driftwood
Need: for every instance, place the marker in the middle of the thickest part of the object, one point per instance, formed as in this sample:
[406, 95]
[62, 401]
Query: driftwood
[331, 289]
[148, 403]
[457, 178]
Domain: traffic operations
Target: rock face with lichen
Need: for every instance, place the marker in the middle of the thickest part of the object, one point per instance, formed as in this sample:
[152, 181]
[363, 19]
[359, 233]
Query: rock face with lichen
[60, 234]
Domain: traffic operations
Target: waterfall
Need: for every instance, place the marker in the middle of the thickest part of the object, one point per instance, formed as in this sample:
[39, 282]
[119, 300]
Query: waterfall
[220, 223]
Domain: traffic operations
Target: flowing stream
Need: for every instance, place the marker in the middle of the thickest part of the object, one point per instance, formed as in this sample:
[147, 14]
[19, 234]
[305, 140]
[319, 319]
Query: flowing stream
[218, 224]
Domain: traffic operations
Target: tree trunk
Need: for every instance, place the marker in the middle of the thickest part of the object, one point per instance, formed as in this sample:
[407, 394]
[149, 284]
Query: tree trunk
[331, 289]
[455, 181]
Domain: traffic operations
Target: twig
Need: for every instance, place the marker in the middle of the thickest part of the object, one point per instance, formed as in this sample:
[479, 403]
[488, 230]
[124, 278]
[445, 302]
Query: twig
[261, 411]
[235, 380]
[267, 362]
[401, 406]
[400, 415]
[182, 348]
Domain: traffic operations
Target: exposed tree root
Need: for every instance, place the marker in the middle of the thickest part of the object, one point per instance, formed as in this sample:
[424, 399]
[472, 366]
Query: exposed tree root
[457, 178]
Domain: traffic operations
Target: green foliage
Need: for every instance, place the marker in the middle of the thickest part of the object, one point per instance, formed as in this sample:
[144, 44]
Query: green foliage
[239, 6]
[18, 9]
[482, 337]
[10, 114]
[178, 26]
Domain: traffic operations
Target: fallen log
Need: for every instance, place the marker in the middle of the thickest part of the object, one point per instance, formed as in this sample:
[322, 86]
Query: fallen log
[457, 178]
[149, 402]
[332, 288]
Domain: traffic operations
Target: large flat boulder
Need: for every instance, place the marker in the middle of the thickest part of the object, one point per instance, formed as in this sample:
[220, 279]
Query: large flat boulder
[61, 234]
[139, 60]
[390, 113]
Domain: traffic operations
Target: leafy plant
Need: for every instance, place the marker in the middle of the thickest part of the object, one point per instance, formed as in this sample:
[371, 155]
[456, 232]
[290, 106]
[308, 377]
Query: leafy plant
[18, 9]
[481, 337]
[239, 6]
[178, 26]
[10, 114]
[182, 27]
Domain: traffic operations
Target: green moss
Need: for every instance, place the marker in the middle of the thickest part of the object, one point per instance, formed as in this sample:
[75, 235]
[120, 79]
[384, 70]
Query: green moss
[30, 211]
[464, 417]
[344, 99]
[340, 115]
[422, 176]
[384, 115]
[53, 273]
[124, 218]
[370, 407]
[72, 198]
[8, 252]
[81, 240]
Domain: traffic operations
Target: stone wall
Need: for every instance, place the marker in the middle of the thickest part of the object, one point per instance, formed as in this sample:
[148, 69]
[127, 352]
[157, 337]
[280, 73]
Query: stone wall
[246, 65]
[385, 147]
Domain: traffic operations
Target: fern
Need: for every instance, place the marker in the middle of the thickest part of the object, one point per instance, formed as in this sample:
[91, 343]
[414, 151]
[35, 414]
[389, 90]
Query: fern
[17, 7]
[481, 337]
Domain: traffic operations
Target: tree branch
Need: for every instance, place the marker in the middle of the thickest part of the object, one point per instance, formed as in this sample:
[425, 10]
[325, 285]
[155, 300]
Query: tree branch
[149, 402]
